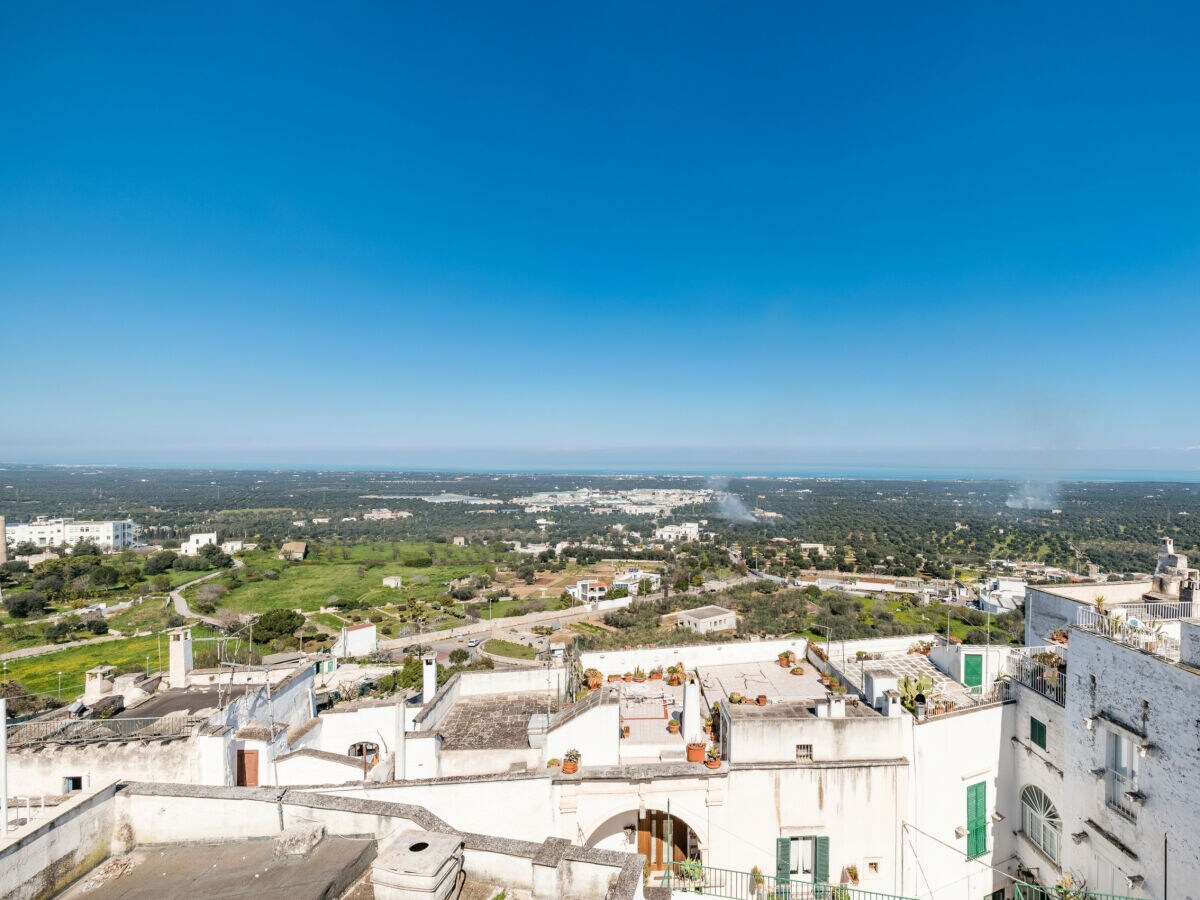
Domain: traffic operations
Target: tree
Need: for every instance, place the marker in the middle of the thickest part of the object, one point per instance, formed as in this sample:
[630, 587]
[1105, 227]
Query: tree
[58, 632]
[85, 548]
[458, 657]
[215, 557]
[276, 623]
[25, 604]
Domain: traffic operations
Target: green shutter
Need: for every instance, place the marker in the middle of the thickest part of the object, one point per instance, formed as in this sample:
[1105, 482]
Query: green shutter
[783, 859]
[976, 819]
[1037, 732]
[820, 859]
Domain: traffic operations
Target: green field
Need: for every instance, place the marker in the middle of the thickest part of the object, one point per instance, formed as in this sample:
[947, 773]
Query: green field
[508, 648]
[39, 674]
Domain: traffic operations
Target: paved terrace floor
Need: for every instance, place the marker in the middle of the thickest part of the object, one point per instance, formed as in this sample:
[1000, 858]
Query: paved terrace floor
[904, 665]
[754, 678]
[647, 708]
[247, 868]
[491, 722]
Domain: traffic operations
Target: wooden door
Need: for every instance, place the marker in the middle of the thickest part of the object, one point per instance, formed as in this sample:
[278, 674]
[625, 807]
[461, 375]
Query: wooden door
[247, 768]
[662, 839]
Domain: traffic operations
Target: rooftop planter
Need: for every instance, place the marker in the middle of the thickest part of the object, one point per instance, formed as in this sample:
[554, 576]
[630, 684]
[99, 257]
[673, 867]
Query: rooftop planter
[713, 758]
[656, 673]
[695, 751]
[571, 762]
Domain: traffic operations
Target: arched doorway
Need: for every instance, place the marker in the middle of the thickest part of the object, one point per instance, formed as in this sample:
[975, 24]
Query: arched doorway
[660, 837]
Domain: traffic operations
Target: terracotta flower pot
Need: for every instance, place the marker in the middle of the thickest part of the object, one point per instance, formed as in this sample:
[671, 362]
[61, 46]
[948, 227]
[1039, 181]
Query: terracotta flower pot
[673, 726]
[713, 763]
[612, 678]
[625, 731]
[656, 676]
[628, 678]
[762, 699]
[675, 681]
[639, 679]
[695, 752]
[783, 662]
[570, 767]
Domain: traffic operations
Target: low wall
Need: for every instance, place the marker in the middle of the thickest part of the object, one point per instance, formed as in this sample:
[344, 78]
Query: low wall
[40, 770]
[47, 859]
[617, 662]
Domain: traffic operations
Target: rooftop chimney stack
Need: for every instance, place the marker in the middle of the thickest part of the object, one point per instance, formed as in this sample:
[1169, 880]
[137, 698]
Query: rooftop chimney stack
[428, 677]
[181, 657]
[693, 727]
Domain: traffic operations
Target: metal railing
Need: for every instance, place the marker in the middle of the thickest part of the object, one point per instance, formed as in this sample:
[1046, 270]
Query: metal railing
[707, 881]
[1023, 891]
[1140, 635]
[87, 731]
[1154, 611]
[1046, 677]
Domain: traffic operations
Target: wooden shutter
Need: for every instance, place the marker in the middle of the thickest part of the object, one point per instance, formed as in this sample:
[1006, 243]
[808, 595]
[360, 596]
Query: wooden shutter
[1037, 732]
[820, 859]
[977, 819]
[973, 670]
[783, 859]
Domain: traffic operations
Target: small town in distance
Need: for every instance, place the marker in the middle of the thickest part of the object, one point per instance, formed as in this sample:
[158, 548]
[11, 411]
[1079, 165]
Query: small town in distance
[628, 687]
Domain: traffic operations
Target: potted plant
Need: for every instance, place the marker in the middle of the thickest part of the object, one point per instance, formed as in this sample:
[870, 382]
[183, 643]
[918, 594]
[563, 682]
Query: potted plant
[638, 675]
[713, 758]
[612, 678]
[675, 674]
[834, 685]
[825, 678]
[852, 873]
[762, 699]
[625, 731]
[673, 726]
[570, 762]
[797, 670]
[553, 763]
[695, 751]
[756, 881]
[708, 723]
[735, 697]
[787, 659]
[629, 676]
[656, 673]
[592, 678]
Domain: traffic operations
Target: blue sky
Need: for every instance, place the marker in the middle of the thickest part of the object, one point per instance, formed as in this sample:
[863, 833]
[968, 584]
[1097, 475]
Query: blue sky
[957, 234]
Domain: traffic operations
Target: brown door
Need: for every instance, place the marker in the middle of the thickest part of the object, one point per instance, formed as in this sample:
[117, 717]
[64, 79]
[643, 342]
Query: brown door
[662, 839]
[247, 768]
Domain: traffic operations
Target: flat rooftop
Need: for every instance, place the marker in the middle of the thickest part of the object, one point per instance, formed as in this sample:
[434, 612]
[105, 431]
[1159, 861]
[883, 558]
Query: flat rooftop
[902, 665]
[1115, 592]
[754, 678]
[490, 722]
[244, 868]
[189, 702]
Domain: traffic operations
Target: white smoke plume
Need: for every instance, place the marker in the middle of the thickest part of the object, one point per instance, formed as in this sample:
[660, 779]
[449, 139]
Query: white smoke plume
[731, 506]
[1033, 495]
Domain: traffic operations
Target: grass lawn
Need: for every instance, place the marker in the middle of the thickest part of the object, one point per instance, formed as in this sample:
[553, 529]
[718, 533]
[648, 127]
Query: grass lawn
[586, 628]
[149, 615]
[40, 673]
[500, 608]
[508, 648]
[329, 621]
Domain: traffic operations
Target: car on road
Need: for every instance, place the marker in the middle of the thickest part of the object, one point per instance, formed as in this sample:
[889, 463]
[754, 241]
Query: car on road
[474, 642]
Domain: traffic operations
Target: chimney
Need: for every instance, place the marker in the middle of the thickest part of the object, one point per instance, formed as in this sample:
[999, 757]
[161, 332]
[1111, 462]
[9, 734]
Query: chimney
[836, 704]
[890, 704]
[693, 727]
[428, 677]
[181, 657]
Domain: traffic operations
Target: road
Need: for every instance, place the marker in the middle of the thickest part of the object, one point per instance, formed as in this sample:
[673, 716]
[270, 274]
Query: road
[181, 604]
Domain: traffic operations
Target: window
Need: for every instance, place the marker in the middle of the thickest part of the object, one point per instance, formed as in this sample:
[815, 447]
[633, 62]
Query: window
[72, 783]
[976, 819]
[1037, 732]
[808, 858]
[1121, 775]
[804, 752]
[1040, 822]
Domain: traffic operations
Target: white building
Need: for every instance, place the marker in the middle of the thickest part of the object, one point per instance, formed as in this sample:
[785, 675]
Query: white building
[393, 581]
[355, 641]
[687, 531]
[192, 545]
[1001, 595]
[109, 535]
[706, 619]
[233, 546]
[633, 579]
[588, 590]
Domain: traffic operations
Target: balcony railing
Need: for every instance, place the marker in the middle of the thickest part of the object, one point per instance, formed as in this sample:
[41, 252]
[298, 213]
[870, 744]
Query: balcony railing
[87, 731]
[1137, 633]
[691, 879]
[1042, 669]
[1150, 612]
[1023, 891]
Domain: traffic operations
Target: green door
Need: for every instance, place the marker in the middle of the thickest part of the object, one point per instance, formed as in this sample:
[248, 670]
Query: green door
[973, 670]
[976, 820]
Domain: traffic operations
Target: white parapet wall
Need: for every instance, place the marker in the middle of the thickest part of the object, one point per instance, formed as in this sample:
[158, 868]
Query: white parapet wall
[617, 662]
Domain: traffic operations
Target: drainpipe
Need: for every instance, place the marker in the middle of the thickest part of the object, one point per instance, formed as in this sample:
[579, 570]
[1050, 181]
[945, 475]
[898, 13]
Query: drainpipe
[4, 766]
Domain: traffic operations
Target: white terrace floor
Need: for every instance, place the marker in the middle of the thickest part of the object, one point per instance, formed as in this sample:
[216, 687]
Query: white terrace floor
[647, 708]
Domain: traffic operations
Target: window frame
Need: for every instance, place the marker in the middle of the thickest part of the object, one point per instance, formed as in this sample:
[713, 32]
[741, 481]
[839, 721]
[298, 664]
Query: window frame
[1036, 725]
[1039, 819]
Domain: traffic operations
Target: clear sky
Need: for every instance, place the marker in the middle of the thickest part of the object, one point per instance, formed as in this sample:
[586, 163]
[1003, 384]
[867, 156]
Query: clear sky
[506, 234]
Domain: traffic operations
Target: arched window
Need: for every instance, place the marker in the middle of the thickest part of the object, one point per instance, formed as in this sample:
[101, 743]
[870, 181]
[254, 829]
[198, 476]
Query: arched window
[1040, 822]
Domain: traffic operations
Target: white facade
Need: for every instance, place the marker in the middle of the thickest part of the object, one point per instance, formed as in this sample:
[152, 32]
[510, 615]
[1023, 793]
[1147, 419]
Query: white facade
[588, 590]
[355, 641]
[705, 619]
[632, 580]
[233, 546]
[192, 545]
[687, 531]
[108, 535]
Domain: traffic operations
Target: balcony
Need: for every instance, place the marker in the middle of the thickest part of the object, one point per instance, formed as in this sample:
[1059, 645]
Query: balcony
[1041, 669]
[1023, 891]
[690, 879]
[1124, 625]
